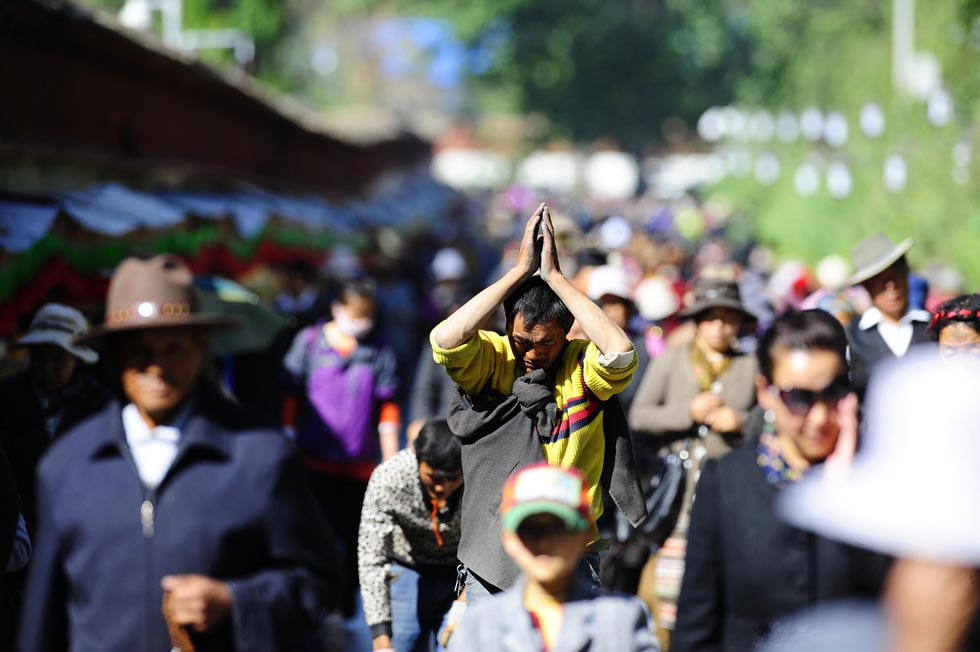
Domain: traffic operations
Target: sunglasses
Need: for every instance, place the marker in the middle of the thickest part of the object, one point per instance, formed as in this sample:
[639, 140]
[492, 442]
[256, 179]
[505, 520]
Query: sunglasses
[801, 401]
[539, 531]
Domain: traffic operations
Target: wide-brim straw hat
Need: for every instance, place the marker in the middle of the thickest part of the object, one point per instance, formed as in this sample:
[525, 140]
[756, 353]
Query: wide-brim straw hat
[608, 279]
[153, 293]
[913, 488]
[875, 254]
[655, 299]
[60, 326]
[716, 293]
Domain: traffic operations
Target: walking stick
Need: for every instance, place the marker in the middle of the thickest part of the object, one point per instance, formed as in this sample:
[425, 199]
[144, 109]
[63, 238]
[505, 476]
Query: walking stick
[180, 640]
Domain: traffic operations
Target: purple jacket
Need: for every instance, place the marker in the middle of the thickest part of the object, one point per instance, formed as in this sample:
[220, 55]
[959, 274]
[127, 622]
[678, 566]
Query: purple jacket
[338, 419]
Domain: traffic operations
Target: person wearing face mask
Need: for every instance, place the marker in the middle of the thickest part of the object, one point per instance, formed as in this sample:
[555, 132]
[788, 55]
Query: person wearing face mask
[745, 568]
[347, 416]
[406, 547]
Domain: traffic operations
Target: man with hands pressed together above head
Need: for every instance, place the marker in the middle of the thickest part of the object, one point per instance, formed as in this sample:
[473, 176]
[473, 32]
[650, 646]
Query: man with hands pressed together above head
[171, 516]
[577, 377]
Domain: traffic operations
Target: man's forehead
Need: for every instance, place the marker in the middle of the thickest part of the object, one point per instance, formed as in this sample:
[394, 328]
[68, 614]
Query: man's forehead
[547, 330]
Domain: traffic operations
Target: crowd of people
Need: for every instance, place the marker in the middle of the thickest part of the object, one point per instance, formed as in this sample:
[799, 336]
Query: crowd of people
[625, 440]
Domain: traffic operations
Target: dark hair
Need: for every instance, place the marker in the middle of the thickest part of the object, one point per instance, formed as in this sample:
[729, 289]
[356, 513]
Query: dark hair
[362, 287]
[437, 446]
[803, 330]
[537, 304]
[300, 268]
[590, 257]
[964, 308]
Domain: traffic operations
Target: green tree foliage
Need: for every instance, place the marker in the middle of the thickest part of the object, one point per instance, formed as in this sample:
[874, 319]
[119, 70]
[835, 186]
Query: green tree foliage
[268, 22]
[597, 68]
[272, 24]
[836, 55]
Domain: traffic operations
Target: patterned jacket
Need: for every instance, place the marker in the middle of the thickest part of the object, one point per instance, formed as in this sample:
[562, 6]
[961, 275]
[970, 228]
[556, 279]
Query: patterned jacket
[397, 525]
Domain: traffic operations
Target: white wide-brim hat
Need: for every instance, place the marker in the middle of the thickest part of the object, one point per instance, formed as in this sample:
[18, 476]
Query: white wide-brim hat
[914, 487]
[656, 299]
[875, 254]
[59, 325]
[607, 279]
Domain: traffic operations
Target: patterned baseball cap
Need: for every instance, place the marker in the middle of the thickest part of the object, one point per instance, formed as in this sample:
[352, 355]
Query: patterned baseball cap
[545, 489]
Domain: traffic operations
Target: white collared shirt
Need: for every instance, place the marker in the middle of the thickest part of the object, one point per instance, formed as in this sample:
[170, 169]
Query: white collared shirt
[154, 450]
[897, 336]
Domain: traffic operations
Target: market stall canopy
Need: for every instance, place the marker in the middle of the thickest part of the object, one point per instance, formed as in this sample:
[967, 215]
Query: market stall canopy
[72, 240]
[115, 210]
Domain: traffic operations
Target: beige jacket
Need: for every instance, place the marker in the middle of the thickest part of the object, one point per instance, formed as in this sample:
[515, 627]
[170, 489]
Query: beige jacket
[662, 406]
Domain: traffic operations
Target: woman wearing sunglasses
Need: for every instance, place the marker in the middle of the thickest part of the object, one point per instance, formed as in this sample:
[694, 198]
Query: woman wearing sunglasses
[745, 568]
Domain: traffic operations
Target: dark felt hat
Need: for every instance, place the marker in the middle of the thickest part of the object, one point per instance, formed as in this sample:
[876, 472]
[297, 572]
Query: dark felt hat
[154, 293]
[716, 293]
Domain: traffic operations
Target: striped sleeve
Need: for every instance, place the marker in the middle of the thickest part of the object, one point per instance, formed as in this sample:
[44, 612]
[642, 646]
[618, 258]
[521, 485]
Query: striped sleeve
[484, 358]
[605, 380]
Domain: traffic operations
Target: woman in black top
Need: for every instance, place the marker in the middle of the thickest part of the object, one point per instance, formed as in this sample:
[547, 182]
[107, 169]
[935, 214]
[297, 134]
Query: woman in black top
[746, 569]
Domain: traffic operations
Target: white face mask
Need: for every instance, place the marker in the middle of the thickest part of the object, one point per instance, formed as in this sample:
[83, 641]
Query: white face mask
[356, 328]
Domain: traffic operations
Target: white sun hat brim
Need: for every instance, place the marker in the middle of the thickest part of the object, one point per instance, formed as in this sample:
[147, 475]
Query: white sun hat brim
[896, 498]
[64, 340]
[883, 263]
[607, 279]
[888, 511]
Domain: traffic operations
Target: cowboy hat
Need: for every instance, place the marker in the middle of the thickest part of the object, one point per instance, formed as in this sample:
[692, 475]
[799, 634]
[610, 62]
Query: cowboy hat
[875, 254]
[59, 325]
[892, 499]
[154, 293]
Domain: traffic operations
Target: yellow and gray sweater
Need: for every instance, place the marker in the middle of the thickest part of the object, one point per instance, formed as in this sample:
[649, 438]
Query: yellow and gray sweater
[585, 380]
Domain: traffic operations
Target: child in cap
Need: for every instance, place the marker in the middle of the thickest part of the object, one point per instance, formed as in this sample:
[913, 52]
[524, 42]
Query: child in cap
[547, 525]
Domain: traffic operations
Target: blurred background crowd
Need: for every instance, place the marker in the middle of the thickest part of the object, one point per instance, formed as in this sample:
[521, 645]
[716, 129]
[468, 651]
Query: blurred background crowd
[368, 166]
